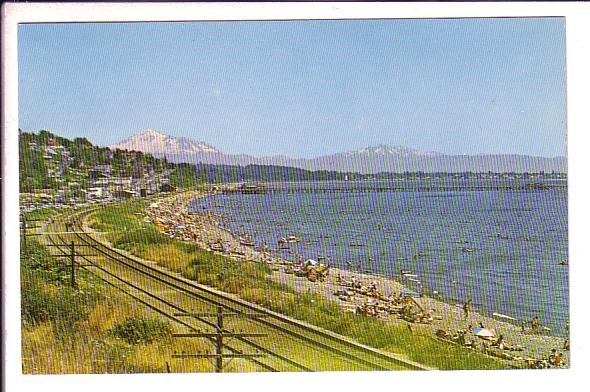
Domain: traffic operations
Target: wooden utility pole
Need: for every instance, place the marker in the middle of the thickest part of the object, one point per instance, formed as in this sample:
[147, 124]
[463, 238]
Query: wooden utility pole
[24, 232]
[73, 265]
[71, 255]
[218, 337]
[25, 223]
[219, 341]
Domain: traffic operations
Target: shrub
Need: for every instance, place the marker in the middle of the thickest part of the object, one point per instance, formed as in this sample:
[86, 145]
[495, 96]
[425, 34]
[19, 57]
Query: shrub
[145, 236]
[41, 213]
[263, 269]
[40, 302]
[35, 259]
[141, 330]
[35, 307]
[63, 307]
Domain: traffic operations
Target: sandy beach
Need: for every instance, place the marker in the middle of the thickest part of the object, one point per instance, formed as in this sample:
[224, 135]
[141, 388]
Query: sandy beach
[172, 216]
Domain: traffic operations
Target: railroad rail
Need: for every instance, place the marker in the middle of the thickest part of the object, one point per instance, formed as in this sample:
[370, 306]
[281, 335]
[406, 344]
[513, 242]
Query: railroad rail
[161, 305]
[168, 294]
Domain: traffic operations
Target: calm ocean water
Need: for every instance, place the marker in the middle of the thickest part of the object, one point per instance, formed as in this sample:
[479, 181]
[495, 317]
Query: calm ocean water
[518, 237]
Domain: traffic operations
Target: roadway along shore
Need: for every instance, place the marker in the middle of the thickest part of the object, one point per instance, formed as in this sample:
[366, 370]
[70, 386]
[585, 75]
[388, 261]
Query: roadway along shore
[172, 216]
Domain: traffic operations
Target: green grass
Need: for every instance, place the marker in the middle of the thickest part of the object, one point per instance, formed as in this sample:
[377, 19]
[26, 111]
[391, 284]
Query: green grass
[142, 330]
[249, 281]
[40, 214]
[92, 328]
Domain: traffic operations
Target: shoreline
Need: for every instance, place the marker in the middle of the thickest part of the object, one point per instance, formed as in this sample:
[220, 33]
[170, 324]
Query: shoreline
[207, 229]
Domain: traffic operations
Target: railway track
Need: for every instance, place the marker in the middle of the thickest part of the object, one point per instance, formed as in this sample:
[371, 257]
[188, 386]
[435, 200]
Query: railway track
[287, 344]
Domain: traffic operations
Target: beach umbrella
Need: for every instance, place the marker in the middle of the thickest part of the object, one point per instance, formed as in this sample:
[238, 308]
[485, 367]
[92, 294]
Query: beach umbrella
[484, 333]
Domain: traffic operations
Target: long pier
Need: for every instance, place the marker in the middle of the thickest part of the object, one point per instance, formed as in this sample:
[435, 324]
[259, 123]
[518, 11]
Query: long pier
[358, 187]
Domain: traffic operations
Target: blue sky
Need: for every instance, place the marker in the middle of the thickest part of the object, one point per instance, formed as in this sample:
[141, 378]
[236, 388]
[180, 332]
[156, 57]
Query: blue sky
[303, 88]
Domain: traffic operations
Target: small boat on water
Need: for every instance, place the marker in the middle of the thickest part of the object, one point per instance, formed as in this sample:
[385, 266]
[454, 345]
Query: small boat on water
[503, 316]
[289, 240]
[467, 249]
[563, 262]
[356, 244]
[246, 241]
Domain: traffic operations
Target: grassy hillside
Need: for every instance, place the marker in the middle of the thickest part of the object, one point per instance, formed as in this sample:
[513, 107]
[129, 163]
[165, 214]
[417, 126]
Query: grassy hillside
[91, 329]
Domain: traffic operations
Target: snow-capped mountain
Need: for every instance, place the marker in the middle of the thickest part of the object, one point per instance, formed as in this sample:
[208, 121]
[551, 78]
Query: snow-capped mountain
[158, 143]
[368, 160]
[385, 150]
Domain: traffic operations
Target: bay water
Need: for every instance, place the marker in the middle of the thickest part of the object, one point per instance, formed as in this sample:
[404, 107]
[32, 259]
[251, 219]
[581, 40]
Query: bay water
[500, 247]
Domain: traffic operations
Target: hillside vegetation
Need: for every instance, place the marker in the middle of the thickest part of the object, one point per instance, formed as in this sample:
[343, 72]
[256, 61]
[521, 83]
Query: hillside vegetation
[93, 328]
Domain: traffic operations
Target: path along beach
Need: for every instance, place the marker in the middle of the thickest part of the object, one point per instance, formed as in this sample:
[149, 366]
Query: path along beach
[376, 296]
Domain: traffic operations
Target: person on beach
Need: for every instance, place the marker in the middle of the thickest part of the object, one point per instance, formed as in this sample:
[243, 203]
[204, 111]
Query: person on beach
[499, 342]
[374, 287]
[430, 315]
[484, 347]
[559, 360]
[461, 338]
[466, 308]
[535, 325]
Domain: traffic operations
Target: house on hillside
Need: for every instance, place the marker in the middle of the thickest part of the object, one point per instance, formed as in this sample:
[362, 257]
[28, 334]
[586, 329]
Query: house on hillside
[167, 188]
[99, 171]
[124, 194]
[97, 192]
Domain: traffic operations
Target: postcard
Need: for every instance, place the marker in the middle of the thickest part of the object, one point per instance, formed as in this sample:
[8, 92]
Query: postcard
[228, 189]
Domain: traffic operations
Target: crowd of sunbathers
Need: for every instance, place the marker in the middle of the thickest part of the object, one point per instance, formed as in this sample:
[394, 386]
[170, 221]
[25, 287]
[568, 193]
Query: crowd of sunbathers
[175, 220]
[377, 304]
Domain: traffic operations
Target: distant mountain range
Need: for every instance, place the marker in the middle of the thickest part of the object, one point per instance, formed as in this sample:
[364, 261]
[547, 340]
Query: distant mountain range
[369, 160]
